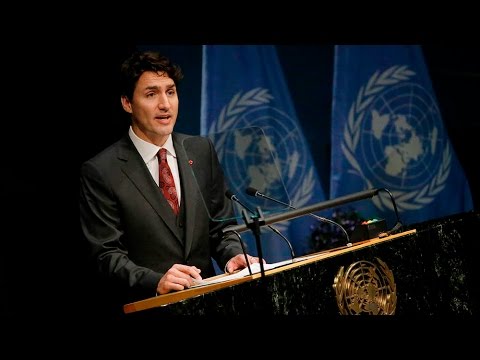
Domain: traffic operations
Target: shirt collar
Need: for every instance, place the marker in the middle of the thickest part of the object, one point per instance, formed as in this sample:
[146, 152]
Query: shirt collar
[148, 150]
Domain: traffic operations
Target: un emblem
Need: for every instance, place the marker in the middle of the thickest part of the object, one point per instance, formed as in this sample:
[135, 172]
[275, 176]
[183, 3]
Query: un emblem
[365, 288]
[394, 137]
[261, 146]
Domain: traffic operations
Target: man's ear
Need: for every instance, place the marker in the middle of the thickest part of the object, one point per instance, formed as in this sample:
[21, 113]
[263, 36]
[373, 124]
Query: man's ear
[126, 104]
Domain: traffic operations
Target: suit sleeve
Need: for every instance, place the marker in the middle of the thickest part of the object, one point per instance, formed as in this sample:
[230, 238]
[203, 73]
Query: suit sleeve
[100, 225]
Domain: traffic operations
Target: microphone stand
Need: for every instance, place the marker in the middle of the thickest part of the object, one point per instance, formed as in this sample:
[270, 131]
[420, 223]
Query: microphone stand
[253, 223]
[231, 196]
[243, 250]
[288, 215]
[254, 192]
[399, 225]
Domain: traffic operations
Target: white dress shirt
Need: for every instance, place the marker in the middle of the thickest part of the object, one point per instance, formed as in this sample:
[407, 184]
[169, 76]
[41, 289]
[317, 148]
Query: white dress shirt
[148, 152]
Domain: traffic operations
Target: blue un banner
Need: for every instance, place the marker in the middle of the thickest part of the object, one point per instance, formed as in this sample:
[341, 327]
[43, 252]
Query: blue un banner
[388, 132]
[248, 112]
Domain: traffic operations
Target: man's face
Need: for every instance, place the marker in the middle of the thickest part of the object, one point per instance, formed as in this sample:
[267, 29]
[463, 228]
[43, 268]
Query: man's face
[154, 107]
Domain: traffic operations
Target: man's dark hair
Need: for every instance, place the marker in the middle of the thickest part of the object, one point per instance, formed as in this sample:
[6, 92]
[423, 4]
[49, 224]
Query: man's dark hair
[141, 61]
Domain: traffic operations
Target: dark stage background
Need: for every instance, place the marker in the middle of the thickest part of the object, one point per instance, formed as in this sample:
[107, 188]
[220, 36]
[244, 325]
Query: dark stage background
[454, 70]
[62, 107]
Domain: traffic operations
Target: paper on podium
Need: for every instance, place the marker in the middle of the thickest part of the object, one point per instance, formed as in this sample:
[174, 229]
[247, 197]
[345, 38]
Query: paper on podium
[239, 274]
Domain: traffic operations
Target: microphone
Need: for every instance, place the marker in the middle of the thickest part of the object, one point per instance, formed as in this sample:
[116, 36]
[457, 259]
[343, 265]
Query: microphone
[241, 244]
[233, 197]
[292, 214]
[254, 192]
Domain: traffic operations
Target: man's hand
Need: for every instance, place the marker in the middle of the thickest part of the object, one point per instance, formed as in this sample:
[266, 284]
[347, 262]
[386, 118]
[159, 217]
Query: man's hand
[238, 262]
[178, 277]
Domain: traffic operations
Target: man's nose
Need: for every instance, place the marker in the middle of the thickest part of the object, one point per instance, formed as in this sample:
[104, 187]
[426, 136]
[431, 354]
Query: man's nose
[163, 102]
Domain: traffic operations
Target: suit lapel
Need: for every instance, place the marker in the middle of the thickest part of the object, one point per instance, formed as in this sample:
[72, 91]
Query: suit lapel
[136, 170]
[190, 195]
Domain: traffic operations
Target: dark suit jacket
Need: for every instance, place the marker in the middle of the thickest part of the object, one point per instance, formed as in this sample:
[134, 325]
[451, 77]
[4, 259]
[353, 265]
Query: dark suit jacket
[133, 234]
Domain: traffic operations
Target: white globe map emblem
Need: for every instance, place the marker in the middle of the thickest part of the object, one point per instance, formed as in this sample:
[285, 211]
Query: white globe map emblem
[394, 138]
[260, 146]
[400, 138]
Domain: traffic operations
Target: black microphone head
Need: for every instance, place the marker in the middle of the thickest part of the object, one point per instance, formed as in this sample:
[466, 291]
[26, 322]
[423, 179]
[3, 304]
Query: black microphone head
[251, 191]
[229, 194]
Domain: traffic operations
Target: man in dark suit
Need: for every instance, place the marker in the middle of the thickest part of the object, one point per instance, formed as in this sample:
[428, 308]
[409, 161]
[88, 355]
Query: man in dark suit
[137, 241]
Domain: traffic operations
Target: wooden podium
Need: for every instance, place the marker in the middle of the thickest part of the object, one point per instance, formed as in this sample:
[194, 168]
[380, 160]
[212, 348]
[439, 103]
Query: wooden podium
[426, 270]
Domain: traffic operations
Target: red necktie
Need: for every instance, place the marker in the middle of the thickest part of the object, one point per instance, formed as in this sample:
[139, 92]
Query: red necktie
[166, 183]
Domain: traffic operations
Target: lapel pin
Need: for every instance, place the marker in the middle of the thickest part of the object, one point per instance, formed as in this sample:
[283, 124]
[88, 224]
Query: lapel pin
[190, 162]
